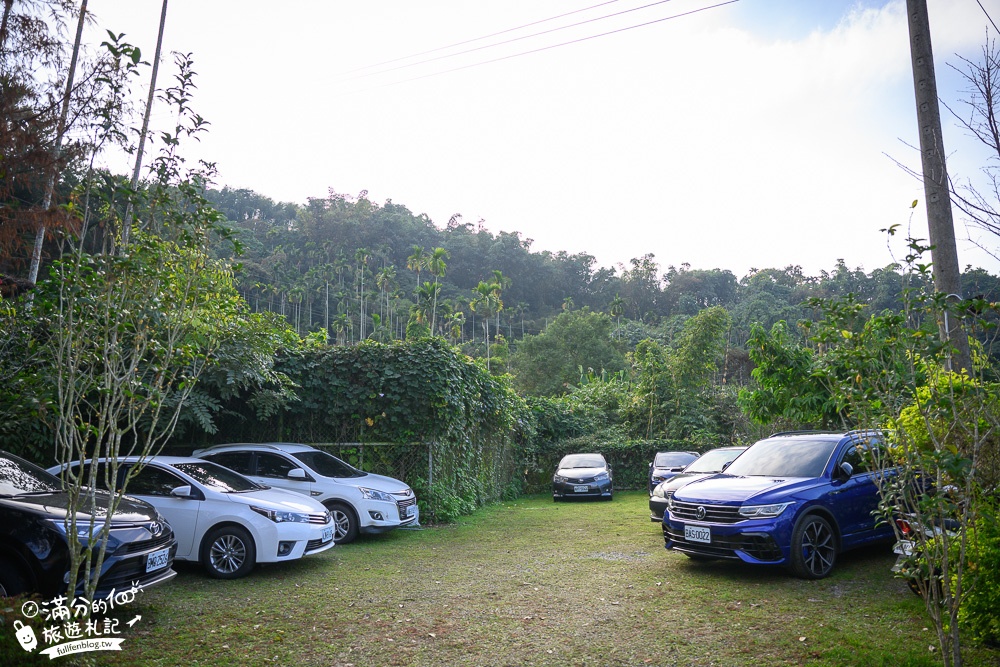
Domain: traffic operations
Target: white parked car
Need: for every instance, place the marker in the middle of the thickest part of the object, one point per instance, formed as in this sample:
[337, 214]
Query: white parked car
[220, 518]
[359, 501]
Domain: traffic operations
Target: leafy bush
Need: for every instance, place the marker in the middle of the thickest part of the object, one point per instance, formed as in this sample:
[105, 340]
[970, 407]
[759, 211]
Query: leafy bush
[978, 612]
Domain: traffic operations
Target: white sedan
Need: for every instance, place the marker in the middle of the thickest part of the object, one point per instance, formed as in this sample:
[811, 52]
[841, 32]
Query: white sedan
[221, 519]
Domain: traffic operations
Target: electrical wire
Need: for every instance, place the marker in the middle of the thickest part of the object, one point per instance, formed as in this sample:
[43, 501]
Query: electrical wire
[553, 46]
[477, 39]
[988, 15]
[506, 41]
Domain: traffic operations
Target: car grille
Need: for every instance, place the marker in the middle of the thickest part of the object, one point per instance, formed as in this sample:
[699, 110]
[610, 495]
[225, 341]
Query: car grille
[312, 545]
[129, 571]
[158, 542]
[758, 546]
[321, 519]
[403, 504]
[713, 513]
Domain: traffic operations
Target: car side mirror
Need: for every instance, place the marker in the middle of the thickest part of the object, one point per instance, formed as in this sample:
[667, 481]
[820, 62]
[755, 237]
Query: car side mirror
[846, 470]
[181, 491]
[297, 473]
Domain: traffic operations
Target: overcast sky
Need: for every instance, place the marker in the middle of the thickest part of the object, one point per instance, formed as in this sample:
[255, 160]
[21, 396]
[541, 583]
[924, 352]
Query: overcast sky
[731, 135]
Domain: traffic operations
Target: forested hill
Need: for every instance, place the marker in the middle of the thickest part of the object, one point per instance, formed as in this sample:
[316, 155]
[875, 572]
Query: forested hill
[360, 269]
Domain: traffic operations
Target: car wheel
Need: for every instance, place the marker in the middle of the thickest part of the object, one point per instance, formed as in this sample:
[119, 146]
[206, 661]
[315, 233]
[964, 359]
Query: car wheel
[814, 547]
[11, 581]
[345, 525]
[228, 552]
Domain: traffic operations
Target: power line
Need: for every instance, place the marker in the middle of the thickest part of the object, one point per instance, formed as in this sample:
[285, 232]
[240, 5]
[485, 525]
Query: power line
[988, 15]
[553, 46]
[477, 39]
[507, 41]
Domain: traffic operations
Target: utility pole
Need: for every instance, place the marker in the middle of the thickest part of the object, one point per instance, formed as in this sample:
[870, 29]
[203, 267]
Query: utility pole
[941, 228]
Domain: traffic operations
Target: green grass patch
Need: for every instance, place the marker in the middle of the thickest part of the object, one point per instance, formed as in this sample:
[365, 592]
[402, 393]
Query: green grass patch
[532, 582]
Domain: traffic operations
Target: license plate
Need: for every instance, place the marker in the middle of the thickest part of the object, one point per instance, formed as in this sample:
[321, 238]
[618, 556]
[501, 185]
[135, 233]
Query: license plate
[407, 511]
[581, 488]
[697, 534]
[157, 559]
[327, 534]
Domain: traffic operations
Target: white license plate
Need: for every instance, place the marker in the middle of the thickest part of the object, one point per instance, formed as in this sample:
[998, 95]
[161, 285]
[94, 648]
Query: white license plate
[327, 534]
[697, 534]
[157, 559]
[581, 488]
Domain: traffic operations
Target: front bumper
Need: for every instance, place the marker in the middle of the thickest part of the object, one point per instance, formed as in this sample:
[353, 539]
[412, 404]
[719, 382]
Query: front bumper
[591, 489]
[759, 542]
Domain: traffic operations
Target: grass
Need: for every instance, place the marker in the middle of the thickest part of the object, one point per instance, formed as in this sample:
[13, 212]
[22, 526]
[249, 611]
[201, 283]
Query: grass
[533, 582]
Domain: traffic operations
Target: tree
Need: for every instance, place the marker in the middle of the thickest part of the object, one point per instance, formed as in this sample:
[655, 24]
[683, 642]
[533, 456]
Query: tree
[417, 261]
[486, 302]
[437, 265]
[550, 363]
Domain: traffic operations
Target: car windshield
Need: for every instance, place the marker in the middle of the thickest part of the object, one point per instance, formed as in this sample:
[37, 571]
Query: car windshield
[328, 465]
[713, 461]
[781, 457]
[216, 477]
[582, 461]
[19, 477]
[672, 459]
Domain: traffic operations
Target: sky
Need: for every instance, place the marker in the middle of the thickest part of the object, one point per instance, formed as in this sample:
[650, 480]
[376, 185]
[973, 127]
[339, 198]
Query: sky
[735, 135]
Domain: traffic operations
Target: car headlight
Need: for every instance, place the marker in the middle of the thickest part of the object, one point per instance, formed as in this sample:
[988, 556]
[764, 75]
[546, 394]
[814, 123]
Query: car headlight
[601, 476]
[658, 492]
[757, 511]
[281, 516]
[558, 478]
[375, 494]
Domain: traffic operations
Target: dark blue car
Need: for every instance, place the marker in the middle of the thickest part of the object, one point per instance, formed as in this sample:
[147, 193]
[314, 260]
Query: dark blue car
[795, 499]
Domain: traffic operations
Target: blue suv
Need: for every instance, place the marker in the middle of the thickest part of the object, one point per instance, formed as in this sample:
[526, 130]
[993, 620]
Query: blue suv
[794, 499]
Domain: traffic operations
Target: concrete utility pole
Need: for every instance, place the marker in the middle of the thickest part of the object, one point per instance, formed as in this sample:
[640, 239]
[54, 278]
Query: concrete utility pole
[941, 228]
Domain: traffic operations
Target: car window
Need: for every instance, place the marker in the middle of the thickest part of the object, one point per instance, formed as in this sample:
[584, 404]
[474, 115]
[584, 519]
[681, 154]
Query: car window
[272, 465]
[713, 461]
[216, 477]
[779, 457]
[238, 461]
[19, 477]
[102, 481]
[670, 459]
[152, 481]
[860, 459]
[582, 461]
[328, 465]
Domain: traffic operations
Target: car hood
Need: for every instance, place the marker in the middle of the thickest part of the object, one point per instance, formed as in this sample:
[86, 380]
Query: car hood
[379, 483]
[730, 489]
[659, 470]
[276, 499]
[55, 505]
[680, 479]
[579, 473]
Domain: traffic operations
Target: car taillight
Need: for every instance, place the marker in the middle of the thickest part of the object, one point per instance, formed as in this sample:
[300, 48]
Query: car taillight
[904, 527]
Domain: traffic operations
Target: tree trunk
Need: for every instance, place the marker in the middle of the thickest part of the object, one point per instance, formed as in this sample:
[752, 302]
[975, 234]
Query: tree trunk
[127, 225]
[50, 186]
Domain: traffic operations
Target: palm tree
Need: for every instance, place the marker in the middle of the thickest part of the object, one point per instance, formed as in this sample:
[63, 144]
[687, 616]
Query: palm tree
[437, 266]
[361, 256]
[486, 302]
[426, 298]
[417, 261]
[616, 310]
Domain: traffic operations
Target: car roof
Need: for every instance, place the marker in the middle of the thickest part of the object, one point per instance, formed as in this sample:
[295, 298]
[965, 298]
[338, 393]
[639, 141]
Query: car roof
[258, 446]
[163, 459]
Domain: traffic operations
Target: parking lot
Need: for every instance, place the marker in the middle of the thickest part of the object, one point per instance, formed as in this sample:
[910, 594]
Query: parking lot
[532, 582]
